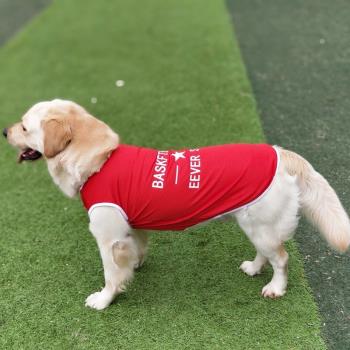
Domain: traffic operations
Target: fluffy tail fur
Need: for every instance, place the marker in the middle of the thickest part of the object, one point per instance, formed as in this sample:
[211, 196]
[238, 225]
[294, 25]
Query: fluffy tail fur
[319, 202]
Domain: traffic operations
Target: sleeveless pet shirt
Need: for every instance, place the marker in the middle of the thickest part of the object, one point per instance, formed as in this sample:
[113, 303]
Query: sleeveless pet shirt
[173, 190]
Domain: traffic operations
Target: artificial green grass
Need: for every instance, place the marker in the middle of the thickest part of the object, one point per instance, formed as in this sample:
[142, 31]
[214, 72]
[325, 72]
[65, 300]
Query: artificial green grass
[185, 85]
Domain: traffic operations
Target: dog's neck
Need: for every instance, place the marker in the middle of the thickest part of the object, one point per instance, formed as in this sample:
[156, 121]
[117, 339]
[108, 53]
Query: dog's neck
[70, 170]
[64, 179]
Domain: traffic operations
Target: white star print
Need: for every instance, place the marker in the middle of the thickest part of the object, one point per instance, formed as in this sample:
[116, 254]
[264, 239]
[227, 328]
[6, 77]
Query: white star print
[178, 155]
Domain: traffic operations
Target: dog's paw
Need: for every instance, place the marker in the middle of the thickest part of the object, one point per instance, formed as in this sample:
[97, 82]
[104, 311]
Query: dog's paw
[272, 290]
[139, 263]
[99, 300]
[250, 268]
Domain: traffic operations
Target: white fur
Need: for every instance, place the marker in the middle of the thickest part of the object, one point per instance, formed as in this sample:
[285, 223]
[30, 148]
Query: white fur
[268, 222]
[114, 236]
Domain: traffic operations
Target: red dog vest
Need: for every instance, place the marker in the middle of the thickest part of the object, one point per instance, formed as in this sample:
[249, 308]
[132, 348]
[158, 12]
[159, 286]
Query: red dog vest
[173, 190]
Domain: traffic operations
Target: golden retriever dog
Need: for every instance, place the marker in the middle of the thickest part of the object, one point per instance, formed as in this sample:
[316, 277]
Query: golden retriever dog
[78, 147]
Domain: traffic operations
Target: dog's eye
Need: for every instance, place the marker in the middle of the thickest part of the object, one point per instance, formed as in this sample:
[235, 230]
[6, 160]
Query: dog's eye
[23, 128]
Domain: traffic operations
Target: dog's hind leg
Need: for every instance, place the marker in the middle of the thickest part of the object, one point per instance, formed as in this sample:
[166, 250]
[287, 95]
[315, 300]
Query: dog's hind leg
[118, 251]
[254, 267]
[268, 223]
[278, 258]
[269, 249]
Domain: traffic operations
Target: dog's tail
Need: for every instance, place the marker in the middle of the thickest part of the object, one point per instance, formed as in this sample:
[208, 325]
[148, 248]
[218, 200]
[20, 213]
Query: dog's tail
[319, 202]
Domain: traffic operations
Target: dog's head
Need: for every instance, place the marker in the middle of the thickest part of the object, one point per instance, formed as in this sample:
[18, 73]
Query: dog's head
[66, 135]
[45, 129]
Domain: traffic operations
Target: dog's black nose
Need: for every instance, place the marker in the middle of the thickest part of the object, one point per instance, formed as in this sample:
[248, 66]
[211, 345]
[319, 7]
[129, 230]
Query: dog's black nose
[4, 132]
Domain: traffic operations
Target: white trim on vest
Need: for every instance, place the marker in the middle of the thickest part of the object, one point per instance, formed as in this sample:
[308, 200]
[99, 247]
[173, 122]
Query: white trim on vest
[107, 204]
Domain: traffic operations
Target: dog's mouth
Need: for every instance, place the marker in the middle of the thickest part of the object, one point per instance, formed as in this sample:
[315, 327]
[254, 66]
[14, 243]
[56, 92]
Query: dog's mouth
[29, 154]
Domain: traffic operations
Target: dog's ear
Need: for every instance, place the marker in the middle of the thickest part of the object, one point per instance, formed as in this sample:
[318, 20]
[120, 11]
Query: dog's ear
[57, 135]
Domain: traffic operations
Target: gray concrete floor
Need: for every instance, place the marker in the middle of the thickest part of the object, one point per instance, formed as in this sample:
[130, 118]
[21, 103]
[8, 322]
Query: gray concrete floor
[15, 13]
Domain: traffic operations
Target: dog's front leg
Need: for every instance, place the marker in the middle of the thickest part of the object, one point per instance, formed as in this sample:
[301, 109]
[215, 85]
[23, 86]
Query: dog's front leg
[118, 252]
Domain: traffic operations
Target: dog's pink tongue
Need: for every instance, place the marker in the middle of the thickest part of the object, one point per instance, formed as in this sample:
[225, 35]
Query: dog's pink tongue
[29, 154]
